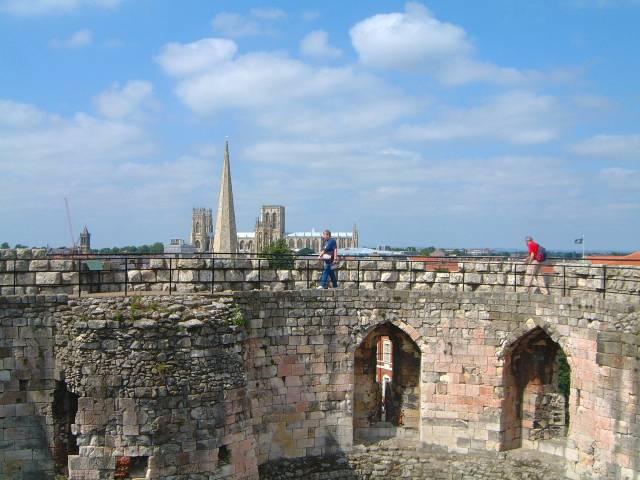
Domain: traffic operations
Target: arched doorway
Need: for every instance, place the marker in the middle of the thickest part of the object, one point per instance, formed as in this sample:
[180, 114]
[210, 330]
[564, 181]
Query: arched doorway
[386, 359]
[536, 392]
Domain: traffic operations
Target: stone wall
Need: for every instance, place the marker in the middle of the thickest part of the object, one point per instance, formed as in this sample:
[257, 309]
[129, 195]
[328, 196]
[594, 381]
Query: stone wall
[31, 271]
[209, 386]
[301, 364]
[159, 383]
[384, 462]
[27, 386]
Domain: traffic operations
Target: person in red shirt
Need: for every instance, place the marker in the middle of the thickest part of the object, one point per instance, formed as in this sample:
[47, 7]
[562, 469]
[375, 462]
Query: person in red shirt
[533, 268]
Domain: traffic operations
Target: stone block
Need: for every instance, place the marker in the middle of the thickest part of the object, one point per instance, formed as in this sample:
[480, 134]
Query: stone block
[473, 278]
[48, 278]
[70, 278]
[62, 265]
[158, 263]
[188, 276]
[38, 265]
[25, 278]
[284, 275]
[23, 253]
[389, 276]
[234, 276]
[148, 276]
[190, 264]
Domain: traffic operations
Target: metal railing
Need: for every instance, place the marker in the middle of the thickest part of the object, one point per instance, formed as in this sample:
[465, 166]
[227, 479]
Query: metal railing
[211, 272]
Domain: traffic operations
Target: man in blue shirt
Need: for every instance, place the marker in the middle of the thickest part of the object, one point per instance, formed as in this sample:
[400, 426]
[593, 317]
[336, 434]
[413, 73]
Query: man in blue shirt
[329, 255]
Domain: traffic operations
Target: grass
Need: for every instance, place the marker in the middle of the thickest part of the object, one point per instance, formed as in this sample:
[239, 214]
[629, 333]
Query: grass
[238, 317]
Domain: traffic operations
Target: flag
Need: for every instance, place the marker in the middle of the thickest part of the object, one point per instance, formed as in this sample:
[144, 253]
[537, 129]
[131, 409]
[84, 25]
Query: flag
[579, 240]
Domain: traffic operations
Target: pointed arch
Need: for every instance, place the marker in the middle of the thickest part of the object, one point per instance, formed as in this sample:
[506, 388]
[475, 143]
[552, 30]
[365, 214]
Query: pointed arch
[536, 372]
[413, 334]
[531, 324]
[395, 411]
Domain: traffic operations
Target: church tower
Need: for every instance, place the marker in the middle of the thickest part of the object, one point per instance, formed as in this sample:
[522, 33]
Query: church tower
[225, 239]
[270, 226]
[85, 241]
[201, 229]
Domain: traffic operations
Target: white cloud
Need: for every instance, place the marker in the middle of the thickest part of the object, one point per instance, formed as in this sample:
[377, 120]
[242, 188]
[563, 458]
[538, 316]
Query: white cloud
[602, 3]
[316, 44]
[458, 71]
[125, 101]
[20, 115]
[79, 39]
[267, 83]
[267, 13]
[622, 179]
[45, 7]
[417, 41]
[518, 117]
[32, 140]
[181, 59]
[617, 146]
[105, 167]
[404, 184]
[593, 102]
[234, 25]
[405, 40]
[343, 115]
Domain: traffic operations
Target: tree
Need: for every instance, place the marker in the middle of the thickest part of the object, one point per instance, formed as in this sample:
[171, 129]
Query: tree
[279, 254]
[305, 251]
[144, 249]
[426, 252]
[4, 245]
[19, 245]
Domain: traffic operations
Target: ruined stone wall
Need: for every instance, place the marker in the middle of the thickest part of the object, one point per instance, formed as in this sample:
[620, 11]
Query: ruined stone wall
[160, 385]
[26, 386]
[301, 364]
[392, 461]
[31, 271]
[193, 387]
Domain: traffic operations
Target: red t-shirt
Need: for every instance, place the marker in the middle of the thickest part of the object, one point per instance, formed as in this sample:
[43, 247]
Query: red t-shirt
[533, 248]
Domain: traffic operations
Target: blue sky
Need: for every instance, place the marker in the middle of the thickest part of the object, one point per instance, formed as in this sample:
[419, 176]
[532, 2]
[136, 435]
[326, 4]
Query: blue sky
[447, 123]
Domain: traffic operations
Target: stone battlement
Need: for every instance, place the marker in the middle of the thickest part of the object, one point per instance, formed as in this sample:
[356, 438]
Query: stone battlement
[31, 271]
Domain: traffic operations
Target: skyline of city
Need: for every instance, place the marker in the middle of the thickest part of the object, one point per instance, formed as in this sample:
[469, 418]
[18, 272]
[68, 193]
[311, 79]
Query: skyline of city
[427, 123]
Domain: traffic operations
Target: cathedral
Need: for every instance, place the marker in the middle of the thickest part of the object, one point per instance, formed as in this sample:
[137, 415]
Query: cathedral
[270, 227]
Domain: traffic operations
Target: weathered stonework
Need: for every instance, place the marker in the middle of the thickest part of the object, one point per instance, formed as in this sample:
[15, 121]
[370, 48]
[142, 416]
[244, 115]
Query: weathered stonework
[384, 462]
[160, 386]
[216, 386]
[29, 271]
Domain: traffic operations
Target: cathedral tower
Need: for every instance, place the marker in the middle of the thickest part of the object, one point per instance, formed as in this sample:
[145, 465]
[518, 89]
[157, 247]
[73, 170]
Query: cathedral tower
[201, 229]
[270, 226]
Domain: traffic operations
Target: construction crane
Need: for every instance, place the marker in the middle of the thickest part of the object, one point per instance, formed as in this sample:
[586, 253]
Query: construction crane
[73, 237]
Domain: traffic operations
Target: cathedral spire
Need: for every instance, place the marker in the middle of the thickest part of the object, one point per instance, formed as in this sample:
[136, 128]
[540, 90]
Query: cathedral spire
[225, 236]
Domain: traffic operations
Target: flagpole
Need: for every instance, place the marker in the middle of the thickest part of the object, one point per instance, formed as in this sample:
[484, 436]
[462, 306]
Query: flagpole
[582, 246]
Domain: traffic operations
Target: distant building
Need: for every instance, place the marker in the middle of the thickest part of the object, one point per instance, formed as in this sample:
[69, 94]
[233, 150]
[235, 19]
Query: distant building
[631, 259]
[179, 247]
[269, 227]
[201, 229]
[85, 241]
